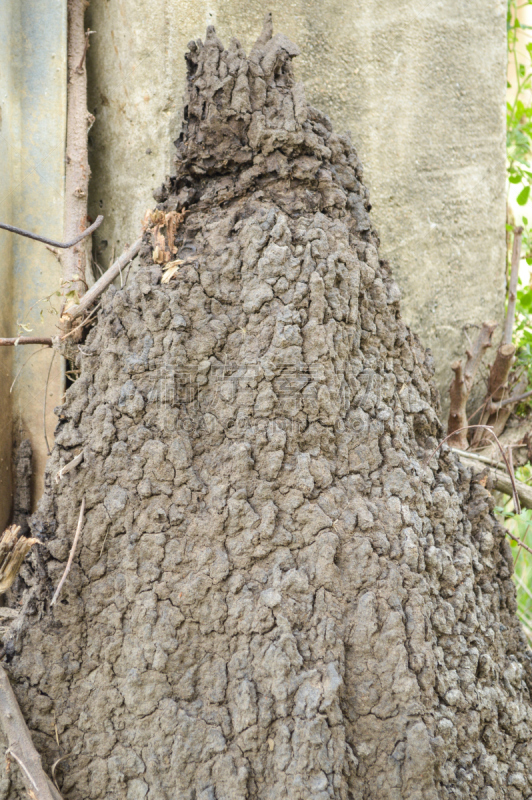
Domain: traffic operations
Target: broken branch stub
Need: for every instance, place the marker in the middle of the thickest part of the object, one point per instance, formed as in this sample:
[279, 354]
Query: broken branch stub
[492, 414]
[13, 551]
[462, 383]
[499, 371]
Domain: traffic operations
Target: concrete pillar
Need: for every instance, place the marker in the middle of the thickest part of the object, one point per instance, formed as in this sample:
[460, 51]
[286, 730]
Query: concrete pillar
[419, 83]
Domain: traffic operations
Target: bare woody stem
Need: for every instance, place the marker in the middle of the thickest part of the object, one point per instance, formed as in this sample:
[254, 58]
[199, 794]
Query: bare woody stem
[512, 290]
[102, 283]
[73, 312]
[77, 173]
[16, 341]
[462, 384]
[21, 747]
[518, 398]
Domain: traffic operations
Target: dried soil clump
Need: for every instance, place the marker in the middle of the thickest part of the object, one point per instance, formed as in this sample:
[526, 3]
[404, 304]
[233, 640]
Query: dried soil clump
[274, 597]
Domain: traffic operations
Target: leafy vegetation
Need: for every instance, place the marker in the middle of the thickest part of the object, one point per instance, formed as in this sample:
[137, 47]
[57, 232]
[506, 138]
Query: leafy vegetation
[519, 167]
[520, 526]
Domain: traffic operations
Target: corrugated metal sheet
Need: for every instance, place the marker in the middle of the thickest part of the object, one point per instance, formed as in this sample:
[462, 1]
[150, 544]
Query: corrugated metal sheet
[32, 146]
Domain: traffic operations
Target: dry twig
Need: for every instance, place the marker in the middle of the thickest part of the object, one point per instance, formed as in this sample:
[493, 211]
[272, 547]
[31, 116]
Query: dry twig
[15, 341]
[500, 479]
[21, 747]
[515, 495]
[102, 283]
[519, 542]
[71, 556]
[518, 398]
[52, 242]
[73, 312]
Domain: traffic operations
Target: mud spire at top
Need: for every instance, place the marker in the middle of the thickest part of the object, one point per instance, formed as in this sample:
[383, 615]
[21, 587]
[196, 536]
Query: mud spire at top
[247, 126]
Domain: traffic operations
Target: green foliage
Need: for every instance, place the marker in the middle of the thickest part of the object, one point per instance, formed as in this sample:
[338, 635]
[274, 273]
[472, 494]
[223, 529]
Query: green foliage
[519, 167]
[519, 118]
[520, 525]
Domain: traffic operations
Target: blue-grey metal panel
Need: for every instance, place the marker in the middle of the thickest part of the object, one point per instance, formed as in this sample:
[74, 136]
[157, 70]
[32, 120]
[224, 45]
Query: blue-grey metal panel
[32, 146]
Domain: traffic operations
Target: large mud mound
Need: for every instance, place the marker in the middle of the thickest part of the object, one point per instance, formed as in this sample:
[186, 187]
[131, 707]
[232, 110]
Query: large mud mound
[274, 597]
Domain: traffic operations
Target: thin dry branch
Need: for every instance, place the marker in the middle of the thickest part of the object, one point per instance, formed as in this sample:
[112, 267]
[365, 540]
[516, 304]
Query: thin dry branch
[52, 242]
[21, 747]
[519, 542]
[501, 480]
[462, 384]
[512, 289]
[515, 495]
[71, 556]
[518, 398]
[17, 340]
[102, 283]
[77, 171]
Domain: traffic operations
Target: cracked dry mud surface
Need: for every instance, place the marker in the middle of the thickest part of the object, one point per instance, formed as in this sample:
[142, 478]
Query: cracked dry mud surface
[274, 596]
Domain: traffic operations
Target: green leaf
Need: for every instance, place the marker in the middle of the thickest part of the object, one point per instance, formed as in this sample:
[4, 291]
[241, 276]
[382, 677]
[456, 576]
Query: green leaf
[522, 197]
[515, 178]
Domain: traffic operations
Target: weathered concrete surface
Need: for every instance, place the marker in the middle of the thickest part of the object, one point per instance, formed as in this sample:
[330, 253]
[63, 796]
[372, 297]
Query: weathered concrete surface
[32, 114]
[419, 83]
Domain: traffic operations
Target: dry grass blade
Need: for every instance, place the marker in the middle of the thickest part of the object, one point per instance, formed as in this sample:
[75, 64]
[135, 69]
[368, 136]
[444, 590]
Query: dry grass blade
[55, 765]
[71, 555]
[24, 364]
[44, 404]
[69, 467]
